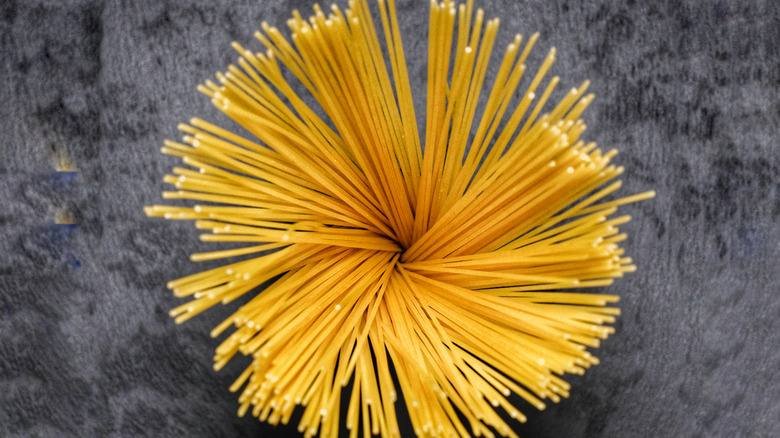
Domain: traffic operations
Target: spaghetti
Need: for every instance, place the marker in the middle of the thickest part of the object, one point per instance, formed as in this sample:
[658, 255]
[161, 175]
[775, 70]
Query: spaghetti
[434, 274]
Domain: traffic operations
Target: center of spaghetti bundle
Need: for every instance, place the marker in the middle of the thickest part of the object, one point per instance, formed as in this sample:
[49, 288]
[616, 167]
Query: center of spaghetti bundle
[372, 270]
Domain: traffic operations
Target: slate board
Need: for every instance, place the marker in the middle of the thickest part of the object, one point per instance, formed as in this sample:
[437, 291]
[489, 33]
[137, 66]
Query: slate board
[688, 91]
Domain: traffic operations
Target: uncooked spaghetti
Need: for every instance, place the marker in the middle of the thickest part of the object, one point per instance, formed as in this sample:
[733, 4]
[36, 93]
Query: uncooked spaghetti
[444, 275]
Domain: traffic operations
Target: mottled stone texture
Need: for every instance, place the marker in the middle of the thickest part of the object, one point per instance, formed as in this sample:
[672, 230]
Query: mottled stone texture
[688, 91]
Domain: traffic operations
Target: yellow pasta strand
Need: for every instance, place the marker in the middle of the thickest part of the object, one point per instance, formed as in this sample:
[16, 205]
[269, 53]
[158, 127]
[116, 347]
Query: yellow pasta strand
[437, 271]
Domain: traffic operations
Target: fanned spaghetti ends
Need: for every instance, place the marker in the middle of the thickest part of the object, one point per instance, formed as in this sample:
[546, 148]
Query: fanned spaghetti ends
[440, 268]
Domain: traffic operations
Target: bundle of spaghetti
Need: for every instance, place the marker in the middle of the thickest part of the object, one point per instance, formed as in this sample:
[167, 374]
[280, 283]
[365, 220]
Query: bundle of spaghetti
[444, 273]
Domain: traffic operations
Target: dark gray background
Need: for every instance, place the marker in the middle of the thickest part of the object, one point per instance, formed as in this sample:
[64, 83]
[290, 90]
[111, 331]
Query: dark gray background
[688, 91]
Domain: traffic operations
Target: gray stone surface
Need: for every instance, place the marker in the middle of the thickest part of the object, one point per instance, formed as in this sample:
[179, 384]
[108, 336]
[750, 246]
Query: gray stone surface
[688, 91]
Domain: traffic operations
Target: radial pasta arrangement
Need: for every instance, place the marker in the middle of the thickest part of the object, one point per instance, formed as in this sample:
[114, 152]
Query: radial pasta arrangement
[440, 268]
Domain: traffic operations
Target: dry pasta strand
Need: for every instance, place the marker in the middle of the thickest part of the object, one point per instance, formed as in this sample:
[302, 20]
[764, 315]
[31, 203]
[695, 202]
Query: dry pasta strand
[439, 271]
